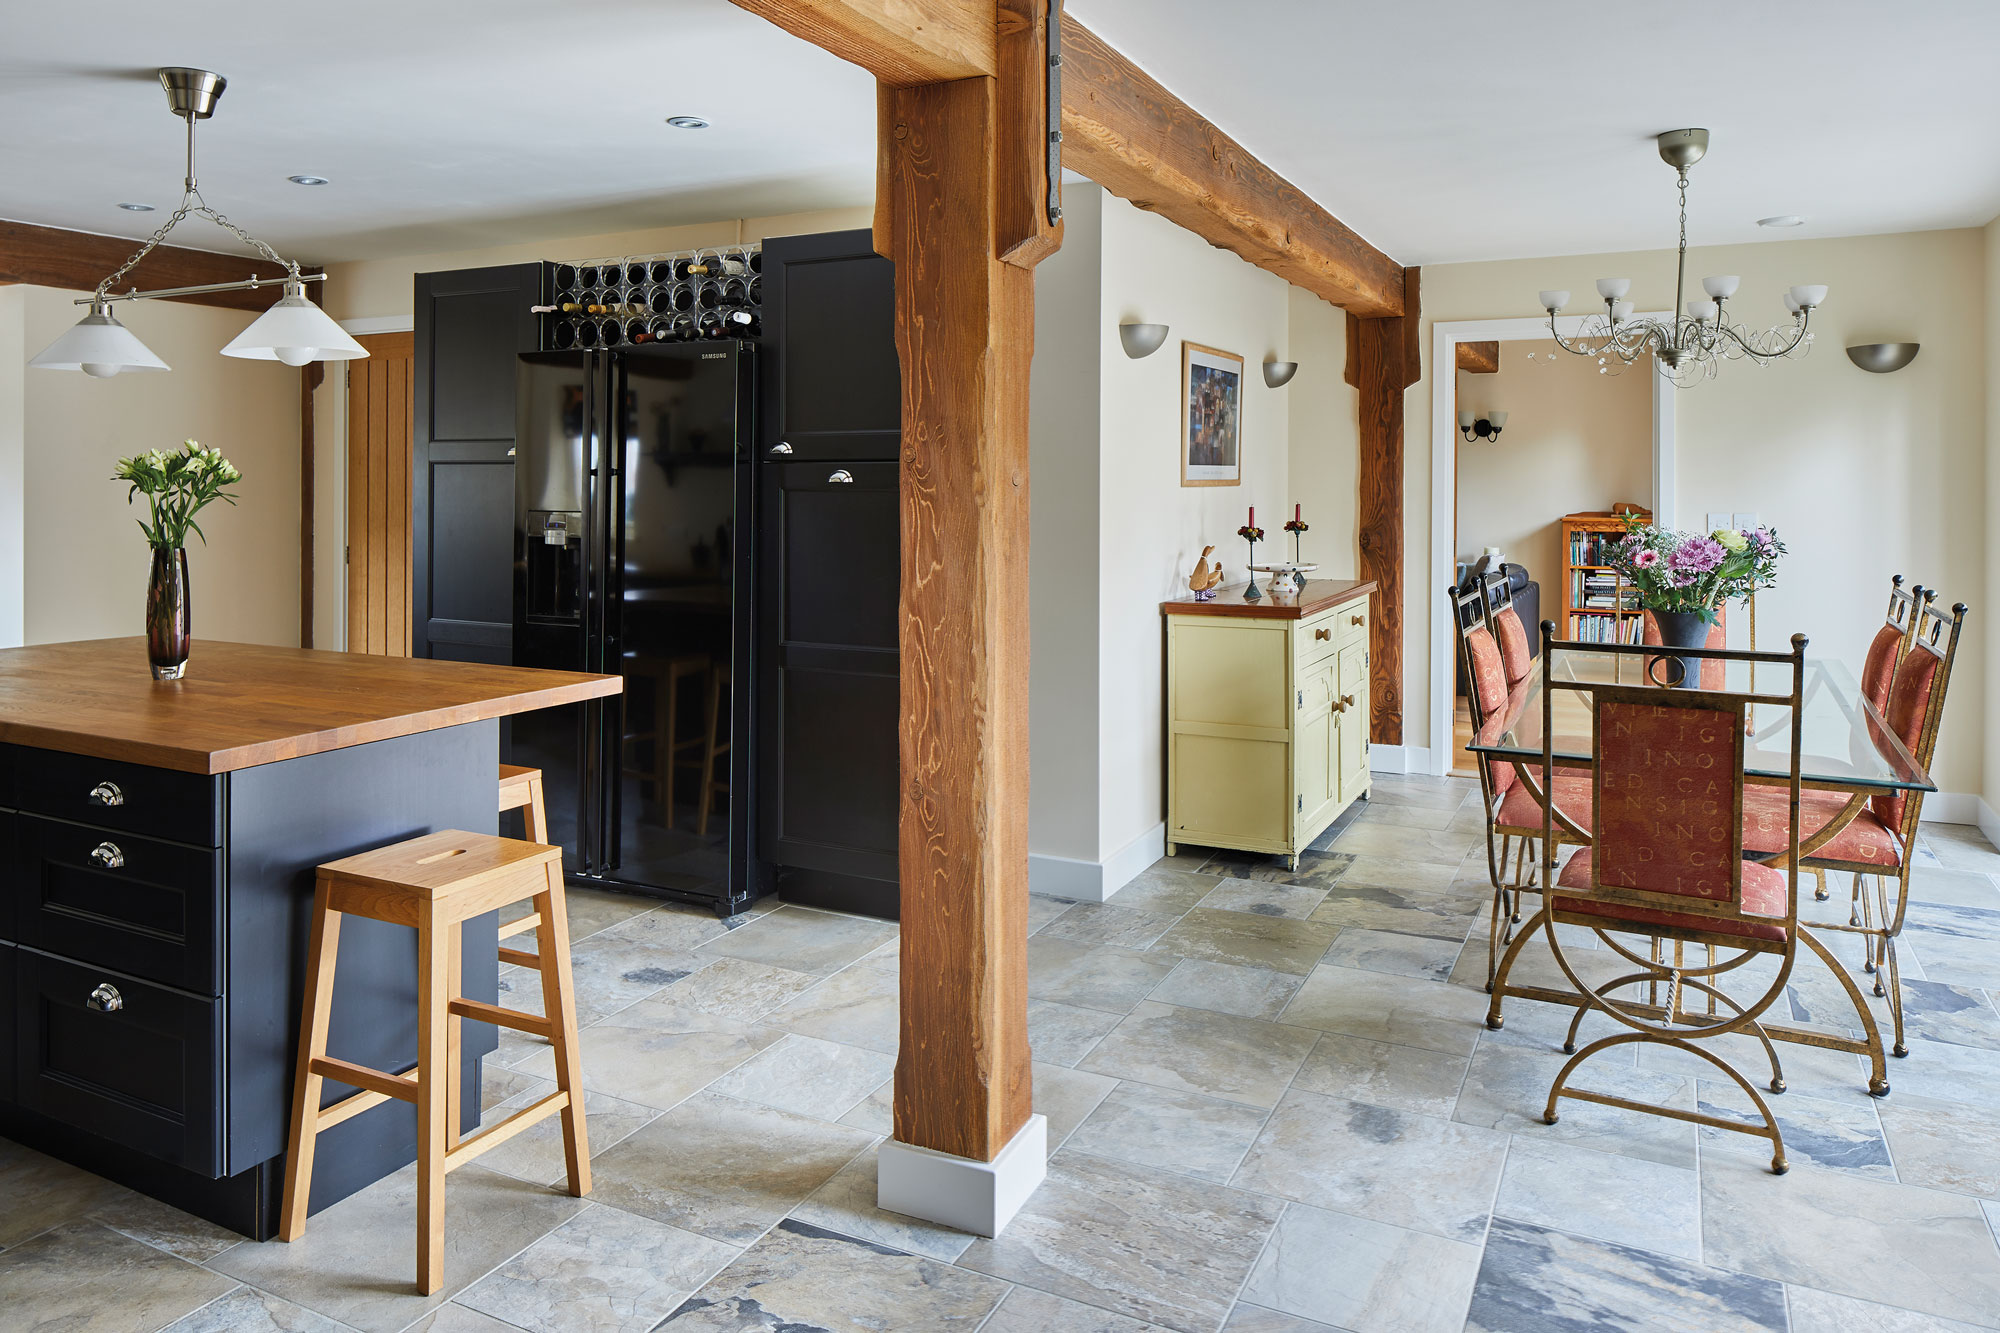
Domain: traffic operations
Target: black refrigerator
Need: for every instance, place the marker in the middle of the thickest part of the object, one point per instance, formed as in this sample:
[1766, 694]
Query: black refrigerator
[633, 540]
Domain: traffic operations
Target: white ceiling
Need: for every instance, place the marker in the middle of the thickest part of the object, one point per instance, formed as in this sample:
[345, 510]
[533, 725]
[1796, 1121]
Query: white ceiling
[1441, 130]
[440, 123]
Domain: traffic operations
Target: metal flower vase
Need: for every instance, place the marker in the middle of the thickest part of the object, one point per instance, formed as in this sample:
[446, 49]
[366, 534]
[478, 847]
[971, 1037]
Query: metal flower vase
[169, 633]
[1678, 629]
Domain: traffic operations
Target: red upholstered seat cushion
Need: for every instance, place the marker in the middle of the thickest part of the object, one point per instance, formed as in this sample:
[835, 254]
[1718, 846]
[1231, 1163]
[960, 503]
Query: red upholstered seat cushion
[1513, 638]
[1572, 796]
[1764, 892]
[1765, 827]
[1879, 667]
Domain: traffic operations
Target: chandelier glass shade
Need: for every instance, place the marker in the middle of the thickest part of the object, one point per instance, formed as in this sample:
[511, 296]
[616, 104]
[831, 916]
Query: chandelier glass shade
[1690, 343]
[294, 331]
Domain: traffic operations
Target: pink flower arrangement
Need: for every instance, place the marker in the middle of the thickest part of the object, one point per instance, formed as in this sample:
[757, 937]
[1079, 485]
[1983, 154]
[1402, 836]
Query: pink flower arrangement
[1697, 572]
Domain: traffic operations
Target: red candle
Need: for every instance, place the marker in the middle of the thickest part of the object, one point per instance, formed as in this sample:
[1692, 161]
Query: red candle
[1296, 511]
[1253, 517]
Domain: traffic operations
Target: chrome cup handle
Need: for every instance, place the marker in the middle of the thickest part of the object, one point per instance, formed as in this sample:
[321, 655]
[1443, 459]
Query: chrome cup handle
[106, 793]
[106, 999]
[781, 448]
[108, 855]
[842, 475]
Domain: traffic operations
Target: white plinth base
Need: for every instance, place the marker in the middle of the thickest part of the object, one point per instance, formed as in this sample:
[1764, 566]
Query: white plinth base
[958, 1192]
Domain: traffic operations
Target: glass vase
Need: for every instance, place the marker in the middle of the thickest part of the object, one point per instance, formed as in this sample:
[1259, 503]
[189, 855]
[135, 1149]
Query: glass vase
[168, 632]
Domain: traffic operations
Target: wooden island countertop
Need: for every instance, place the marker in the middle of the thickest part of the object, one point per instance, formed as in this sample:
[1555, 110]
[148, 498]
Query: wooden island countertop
[1319, 594]
[245, 704]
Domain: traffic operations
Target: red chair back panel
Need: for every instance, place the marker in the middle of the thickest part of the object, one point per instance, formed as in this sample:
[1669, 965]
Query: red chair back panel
[1513, 636]
[1878, 669]
[1489, 671]
[1909, 698]
[1666, 812]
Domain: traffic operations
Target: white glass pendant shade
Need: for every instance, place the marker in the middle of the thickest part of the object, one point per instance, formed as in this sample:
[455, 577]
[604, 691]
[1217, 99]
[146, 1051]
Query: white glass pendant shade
[294, 331]
[1701, 310]
[1620, 311]
[1496, 419]
[1721, 288]
[1554, 300]
[1791, 303]
[98, 346]
[1612, 289]
[1808, 297]
[1465, 419]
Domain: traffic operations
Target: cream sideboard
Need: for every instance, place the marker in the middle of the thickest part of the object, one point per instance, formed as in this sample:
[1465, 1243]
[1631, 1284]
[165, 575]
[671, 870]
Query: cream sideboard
[1267, 716]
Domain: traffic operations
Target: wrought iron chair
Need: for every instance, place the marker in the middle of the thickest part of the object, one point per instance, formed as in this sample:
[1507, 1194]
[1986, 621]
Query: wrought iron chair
[1876, 845]
[1666, 862]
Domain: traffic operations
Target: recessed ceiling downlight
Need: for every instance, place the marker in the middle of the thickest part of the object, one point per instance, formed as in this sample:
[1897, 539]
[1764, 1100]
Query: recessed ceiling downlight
[137, 208]
[687, 122]
[306, 180]
[1782, 220]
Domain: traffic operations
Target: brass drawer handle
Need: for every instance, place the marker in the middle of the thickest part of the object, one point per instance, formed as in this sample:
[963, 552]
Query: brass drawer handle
[1346, 701]
[1322, 634]
[106, 793]
[107, 855]
[106, 999]
[1357, 620]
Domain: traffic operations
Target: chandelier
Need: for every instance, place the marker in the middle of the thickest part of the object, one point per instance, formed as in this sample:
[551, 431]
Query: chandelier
[294, 330]
[1691, 344]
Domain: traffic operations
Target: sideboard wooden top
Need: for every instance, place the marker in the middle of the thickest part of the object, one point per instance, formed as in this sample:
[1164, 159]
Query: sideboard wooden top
[1319, 594]
[245, 704]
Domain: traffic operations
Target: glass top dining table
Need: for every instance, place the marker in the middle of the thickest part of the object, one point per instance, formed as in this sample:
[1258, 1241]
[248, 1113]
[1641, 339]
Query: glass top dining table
[1846, 744]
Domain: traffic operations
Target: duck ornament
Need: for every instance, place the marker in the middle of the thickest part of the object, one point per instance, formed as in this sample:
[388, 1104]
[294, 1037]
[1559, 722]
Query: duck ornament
[1205, 579]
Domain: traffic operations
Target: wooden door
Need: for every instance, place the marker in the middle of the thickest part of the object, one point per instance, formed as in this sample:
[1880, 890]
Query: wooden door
[378, 496]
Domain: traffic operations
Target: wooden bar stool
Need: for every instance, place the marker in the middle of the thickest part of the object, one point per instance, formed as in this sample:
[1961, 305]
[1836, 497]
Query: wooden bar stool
[668, 748]
[435, 883]
[521, 789]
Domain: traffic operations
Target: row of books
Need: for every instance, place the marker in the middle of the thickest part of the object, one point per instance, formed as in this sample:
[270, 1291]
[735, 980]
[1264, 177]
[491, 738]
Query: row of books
[1593, 548]
[1606, 629]
[1593, 590]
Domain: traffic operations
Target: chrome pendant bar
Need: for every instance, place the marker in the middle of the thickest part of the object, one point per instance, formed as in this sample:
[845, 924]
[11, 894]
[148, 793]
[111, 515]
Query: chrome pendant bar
[247, 284]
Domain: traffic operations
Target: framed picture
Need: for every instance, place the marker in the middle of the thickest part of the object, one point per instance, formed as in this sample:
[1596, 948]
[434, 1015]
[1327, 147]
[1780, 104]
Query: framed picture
[1211, 416]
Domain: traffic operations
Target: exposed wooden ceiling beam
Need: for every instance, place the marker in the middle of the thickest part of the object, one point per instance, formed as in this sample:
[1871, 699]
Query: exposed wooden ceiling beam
[1125, 131]
[903, 43]
[1479, 358]
[79, 260]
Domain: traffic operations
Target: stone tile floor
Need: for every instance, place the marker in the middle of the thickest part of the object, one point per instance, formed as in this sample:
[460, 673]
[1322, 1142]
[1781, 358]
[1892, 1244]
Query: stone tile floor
[1273, 1108]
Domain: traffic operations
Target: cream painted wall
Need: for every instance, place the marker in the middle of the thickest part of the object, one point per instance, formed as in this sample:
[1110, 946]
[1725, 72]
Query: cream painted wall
[1064, 592]
[14, 355]
[85, 560]
[381, 288]
[1323, 467]
[1574, 441]
[1153, 528]
[1864, 475]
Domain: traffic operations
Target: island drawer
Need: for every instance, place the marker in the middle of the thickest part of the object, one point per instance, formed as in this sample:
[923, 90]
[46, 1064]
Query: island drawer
[121, 1058]
[130, 798]
[117, 900]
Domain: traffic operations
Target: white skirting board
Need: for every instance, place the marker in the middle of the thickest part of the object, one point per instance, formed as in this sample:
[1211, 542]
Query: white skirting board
[1096, 881]
[1962, 807]
[1399, 759]
[958, 1192]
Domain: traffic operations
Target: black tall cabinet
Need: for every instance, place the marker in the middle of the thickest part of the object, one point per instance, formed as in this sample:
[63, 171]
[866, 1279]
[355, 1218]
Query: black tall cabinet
[829, 551]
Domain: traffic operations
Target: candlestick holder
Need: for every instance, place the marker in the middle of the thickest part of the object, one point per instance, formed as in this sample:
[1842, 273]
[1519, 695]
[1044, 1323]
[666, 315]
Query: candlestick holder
[1253, 535]
[1298, 528]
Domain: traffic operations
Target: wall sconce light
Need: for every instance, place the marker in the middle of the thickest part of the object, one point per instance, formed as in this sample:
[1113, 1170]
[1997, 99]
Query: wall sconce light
[1277, 374]
[1141, 340]
[1484, 428]
[1882, 358]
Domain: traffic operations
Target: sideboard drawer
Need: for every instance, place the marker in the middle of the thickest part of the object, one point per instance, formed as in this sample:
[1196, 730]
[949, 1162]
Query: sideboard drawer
[1316, 640]
[1351, 622]
[117, 900]
[120, 1058]
[131, 798]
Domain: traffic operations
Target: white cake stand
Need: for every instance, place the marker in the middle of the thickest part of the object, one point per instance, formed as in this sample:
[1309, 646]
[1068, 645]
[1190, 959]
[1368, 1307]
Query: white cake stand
[1287, 577]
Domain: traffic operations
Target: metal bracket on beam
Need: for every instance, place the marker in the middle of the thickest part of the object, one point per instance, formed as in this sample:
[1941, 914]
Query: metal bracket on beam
[1053, 110]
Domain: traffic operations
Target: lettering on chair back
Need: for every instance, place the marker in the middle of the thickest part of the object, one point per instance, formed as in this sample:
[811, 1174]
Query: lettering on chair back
[1667, 776]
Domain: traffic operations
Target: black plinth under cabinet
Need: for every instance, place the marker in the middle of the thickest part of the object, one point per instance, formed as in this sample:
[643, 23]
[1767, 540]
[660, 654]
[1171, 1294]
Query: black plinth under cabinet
[152, 962]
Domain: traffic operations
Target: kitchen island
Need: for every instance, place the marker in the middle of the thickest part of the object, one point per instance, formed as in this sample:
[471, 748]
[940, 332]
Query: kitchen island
[157, 847]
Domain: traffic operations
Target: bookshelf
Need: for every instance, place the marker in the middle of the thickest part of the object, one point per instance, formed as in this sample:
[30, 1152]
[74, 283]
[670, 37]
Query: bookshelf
[1599, 604]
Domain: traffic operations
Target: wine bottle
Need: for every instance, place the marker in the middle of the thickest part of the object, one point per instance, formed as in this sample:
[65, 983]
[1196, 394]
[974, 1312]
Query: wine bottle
[728, 266]
[733, 292]
[637, 332]
[709, 296]
[684, 328]
[710, 325]
[684, 270]
[661, 329]
[742, 324]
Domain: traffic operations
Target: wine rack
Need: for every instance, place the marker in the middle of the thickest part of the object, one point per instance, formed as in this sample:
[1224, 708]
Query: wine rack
[715, 292]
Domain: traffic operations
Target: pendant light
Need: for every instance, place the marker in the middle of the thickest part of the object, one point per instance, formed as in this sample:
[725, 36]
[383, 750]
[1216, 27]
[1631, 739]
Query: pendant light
[294, 331]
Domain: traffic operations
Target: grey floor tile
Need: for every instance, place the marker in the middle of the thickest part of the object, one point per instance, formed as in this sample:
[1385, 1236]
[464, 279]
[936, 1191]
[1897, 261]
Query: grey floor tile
[1809, 1071]
[1954, 888]
[1403, 1011]
[80, 1277]
[594, 910]
[1148, 1244]
[41, 1192]
[657, 1053]
[1624, 1200]
[724, 1168]
[1962, 847]
[1102, 976]
[1939, 1012]
[1389, 951]
[802, 1277]
[1824, 1312]
[1840, 1134]
[1392, 872]
[1369, 1277]
[1413, 1171]
[165, 1227]
[603, 1271]
[877, 1111]
[1265, 898]
[611, 972]
[1402, 843]
[678, 927]
[1177, 1131]
[1943, 1146]
[1536, 1280]
[846, 1204]
[1248, 940]
[1402, 1078]
[1318, 868]
[357, 1261]
[248, 1310]
[1898, 1244]
[1248, 1318]
[803, 939]
[455, 1318]
[536, 1153]
[1444, 915]
[1249, 992]
[1067, 1097]
[740, 990]
[856, 1006]
[1959, 946]
[1043, 909]
[1063, 1034]
[1194, 1050]
[808, 1076]
[1110, 923]
[1507, 1088]
[1162, 888]
[1026, 1310]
